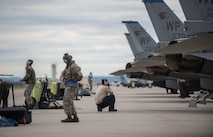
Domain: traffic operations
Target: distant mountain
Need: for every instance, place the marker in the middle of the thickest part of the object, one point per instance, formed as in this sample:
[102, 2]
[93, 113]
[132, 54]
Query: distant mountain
[97, 79]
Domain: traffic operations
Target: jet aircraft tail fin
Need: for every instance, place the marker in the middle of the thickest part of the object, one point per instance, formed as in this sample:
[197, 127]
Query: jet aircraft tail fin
[199, 9]
[141, 43]
[167, 25]
[199, 16]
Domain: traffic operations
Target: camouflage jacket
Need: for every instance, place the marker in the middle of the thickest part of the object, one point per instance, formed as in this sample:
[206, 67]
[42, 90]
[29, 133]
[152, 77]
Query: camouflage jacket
[30, 77]
[71, 72]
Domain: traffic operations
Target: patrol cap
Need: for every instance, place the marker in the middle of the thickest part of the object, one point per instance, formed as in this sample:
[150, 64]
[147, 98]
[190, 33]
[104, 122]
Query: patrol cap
[67, 58]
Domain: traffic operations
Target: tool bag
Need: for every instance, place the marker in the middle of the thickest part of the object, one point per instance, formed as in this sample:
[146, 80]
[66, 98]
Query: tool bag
[14, 112]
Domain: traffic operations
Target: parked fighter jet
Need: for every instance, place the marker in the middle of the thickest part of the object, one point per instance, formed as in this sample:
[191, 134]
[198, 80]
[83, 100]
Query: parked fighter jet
[174, 58]
[189, 58]
[152, 68]
[175, 28]
[167, 24]
[170, 23]
[140, 40]
[200, 19]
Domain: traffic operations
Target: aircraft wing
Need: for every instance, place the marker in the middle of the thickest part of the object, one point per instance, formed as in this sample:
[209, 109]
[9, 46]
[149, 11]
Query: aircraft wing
[118, 73]
[206, 55]
[135, 69]
[188, 75]
[152, 61]
[141, 65]
[198, 43]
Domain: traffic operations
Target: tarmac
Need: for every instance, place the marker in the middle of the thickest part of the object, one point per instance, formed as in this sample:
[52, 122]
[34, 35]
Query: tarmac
[142, 112]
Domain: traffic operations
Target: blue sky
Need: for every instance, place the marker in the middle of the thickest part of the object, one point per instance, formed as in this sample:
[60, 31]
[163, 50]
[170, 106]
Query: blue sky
[91, 31]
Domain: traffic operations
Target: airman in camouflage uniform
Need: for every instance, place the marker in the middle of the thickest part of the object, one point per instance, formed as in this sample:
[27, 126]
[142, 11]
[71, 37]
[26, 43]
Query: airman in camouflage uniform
[70, 76]
[30, 80]
[90, 81]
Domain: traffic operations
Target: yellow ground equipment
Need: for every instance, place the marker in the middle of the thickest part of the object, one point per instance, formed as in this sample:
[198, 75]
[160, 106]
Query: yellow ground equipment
[37, 91]
[53, 88]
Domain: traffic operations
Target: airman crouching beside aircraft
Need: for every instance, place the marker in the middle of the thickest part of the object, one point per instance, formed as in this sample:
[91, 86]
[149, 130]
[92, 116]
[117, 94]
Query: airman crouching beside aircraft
[104, 97]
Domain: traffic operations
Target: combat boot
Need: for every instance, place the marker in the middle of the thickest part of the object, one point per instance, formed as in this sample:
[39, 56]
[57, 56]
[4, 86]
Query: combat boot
[68, 119]
[99, 108]
[75, 118]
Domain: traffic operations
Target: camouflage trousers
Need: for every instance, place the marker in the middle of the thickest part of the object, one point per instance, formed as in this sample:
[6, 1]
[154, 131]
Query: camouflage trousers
[90, 85]
[68, 98]
[27, 94]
